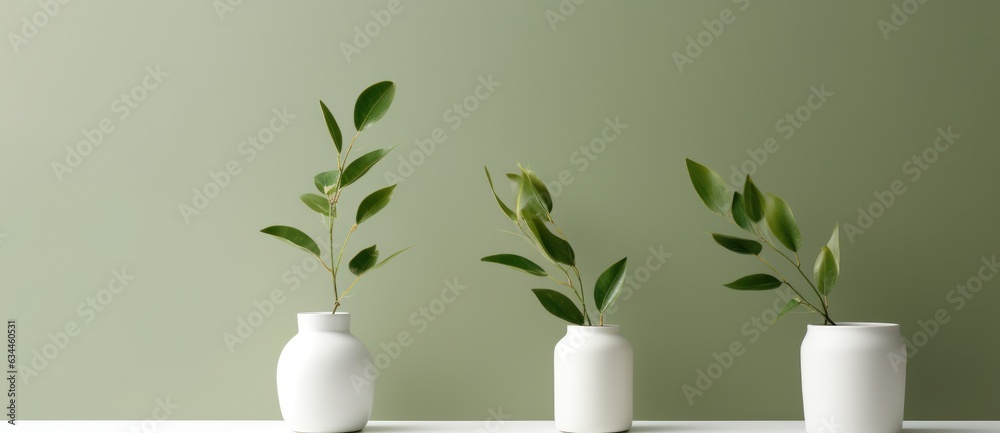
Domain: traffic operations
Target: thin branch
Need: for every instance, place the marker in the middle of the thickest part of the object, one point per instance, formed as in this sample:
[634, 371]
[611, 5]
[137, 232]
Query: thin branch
[334, 268]
[790, 286]
[583, 298]
[349, 288]
[797, 264]
[333, 211]
[344, 245]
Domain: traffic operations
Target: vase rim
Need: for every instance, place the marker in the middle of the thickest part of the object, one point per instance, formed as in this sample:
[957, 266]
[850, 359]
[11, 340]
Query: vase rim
[593, 329]
[323, 313]
[855, 325]
[323, 321]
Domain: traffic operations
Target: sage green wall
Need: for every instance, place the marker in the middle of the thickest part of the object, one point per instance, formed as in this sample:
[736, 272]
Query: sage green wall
[162, 335]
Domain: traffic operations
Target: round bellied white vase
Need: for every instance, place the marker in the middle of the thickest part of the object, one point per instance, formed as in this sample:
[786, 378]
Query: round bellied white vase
[853, 378]
[322, 383]
[593, 380]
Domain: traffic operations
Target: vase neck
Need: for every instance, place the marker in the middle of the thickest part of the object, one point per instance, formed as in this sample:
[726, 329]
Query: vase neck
[324, 322]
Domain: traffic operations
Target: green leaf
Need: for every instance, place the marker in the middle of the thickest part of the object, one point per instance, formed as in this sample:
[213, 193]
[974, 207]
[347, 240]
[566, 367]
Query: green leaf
[825, 271]
[364, 260]
[293, 236]
[557, 248]
[782, 223]
[709, 186]
[317, 203]
[517, 262]
[331, 125]
[530, 198]
[506, 210]
[834, 245]
[360, 166]
[753, 201]
[755, 282]
[326, 182]
[541, 191]
[788, 307]
[386, 260]
[559, 305]
[740, 213]
[514, 177]
[373, 103]
[738, 245]
[609, 285]
[375, 202]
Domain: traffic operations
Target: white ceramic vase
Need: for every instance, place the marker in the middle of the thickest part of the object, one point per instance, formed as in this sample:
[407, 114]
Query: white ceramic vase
[853, 378]
[322, 383]
[593, 380]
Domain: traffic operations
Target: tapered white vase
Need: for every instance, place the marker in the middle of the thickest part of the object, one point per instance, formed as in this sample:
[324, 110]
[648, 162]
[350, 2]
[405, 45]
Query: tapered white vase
[853, 378]
[593, 380]
[322, 383]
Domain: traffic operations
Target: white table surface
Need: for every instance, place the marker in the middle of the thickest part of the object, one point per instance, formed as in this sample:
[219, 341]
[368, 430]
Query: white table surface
[469, 426]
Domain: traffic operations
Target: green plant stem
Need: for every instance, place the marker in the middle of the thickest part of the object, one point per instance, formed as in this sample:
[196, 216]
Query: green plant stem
[798, 267]
[349, 288]
[340, 256]
[333, 270]
[823, 303]
[341, 164]
[323, 262]
[790, 286]
[333, 212]
[583, 298]
[579, 295]
[803, 303]
[569, 280]
[558, 281]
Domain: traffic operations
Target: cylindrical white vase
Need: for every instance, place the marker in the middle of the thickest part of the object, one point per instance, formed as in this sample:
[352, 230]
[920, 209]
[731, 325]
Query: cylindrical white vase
[593, 380]
[853, 378]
